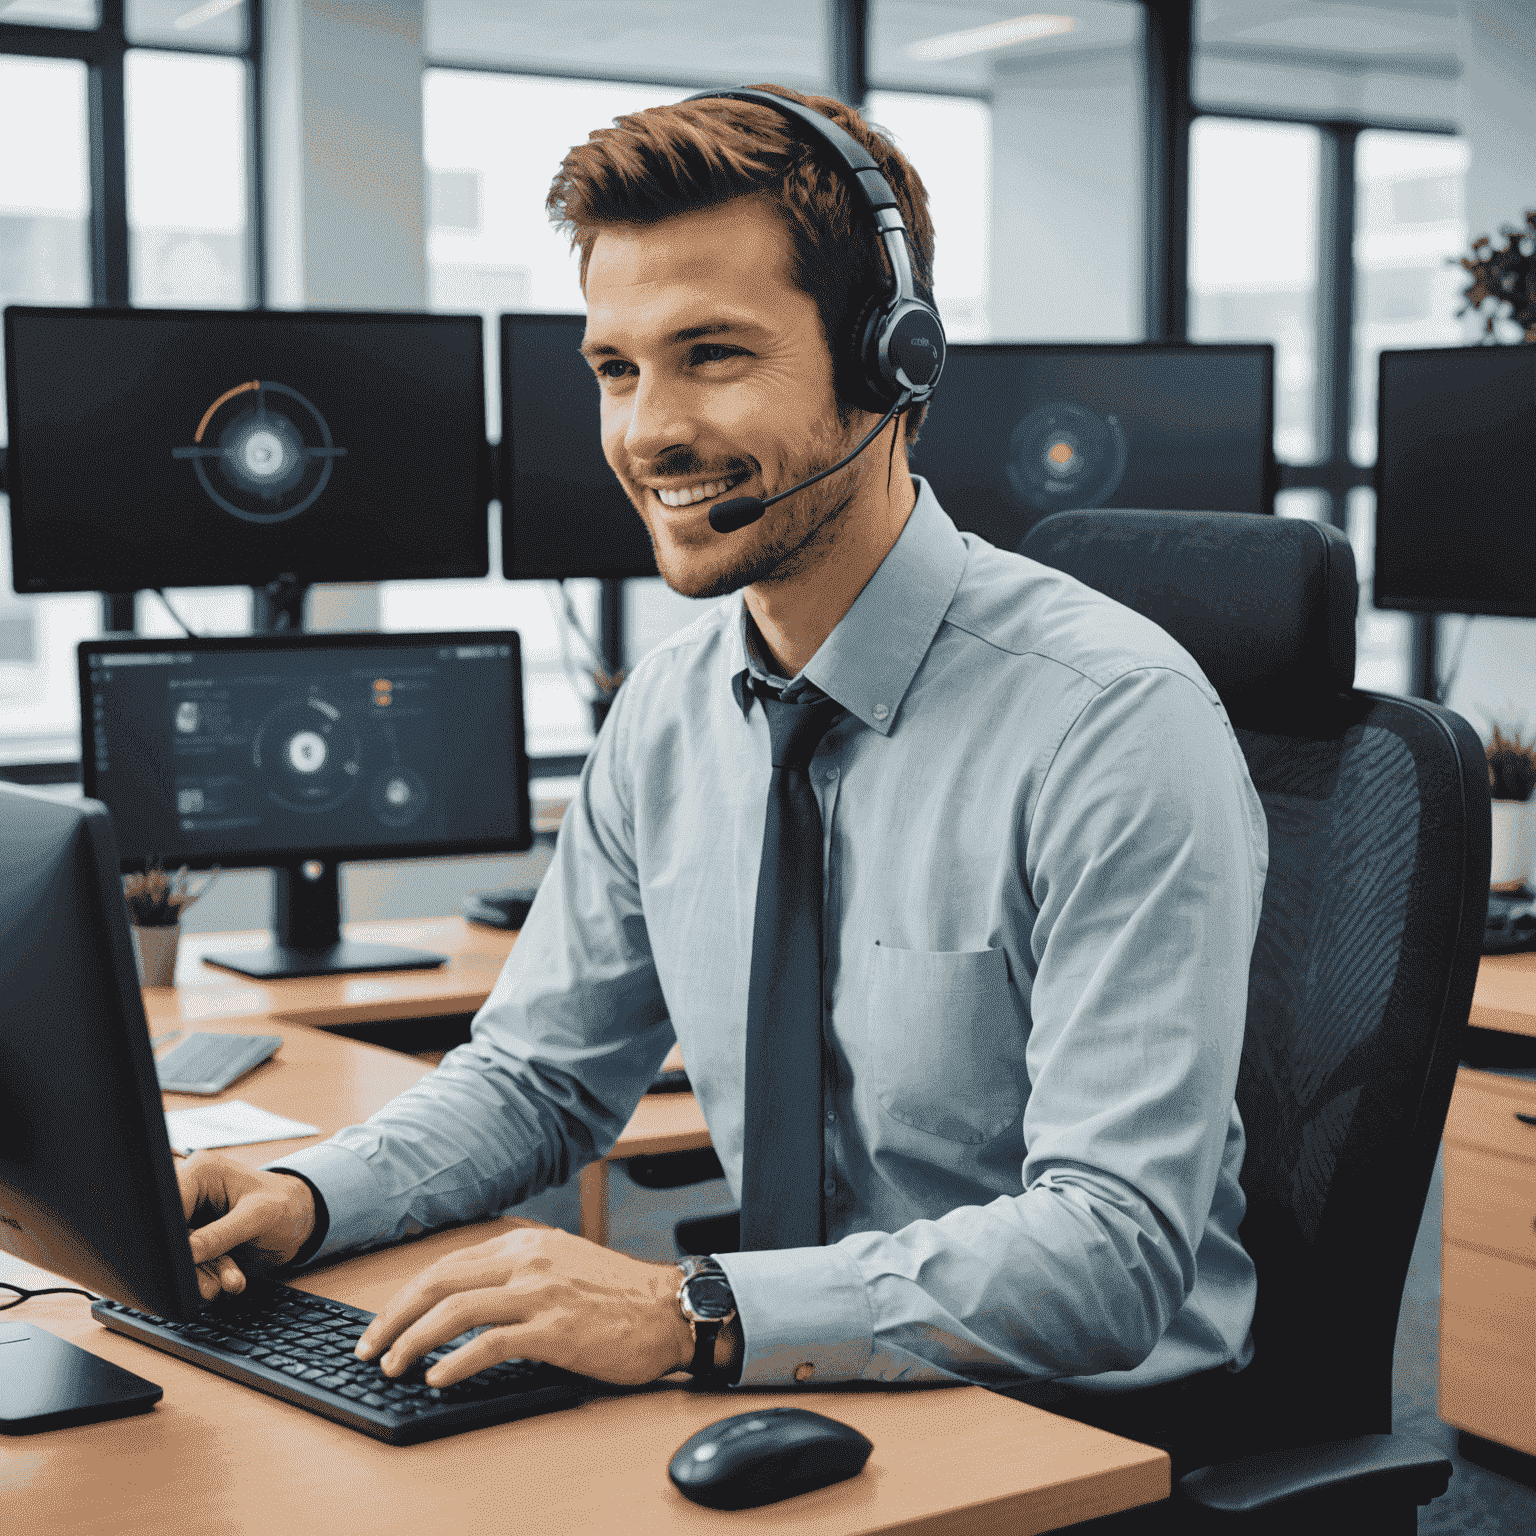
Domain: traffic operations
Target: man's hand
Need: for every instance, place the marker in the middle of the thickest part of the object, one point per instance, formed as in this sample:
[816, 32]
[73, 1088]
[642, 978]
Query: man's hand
[235, 1212]
[541, 1294]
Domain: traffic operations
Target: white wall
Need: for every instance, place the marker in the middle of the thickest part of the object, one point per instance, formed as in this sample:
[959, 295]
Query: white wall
[1497, 676]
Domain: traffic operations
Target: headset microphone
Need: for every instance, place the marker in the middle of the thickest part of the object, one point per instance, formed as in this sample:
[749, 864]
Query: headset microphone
[739, 511]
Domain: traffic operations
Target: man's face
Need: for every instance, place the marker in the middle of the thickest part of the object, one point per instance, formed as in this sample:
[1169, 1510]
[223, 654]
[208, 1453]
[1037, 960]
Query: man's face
[716, 382]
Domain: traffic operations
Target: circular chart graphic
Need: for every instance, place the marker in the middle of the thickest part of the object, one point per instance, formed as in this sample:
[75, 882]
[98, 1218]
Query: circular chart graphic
[398, 796]
[269, 450]
[307, 755]
[1062, 456]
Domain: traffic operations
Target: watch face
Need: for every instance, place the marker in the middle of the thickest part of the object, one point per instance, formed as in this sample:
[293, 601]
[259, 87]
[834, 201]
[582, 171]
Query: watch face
[710, 1298]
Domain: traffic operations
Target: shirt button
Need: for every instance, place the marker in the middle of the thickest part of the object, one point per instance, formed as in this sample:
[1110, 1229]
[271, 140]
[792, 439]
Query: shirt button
[831, 1116]
[804, 1371]
[880, 711]
[831, 775]
[830, 1187]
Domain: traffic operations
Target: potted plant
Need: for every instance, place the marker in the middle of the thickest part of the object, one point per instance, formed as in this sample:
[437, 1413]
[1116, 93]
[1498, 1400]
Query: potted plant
[1511, 778]
[1504, 279]
[156, 901]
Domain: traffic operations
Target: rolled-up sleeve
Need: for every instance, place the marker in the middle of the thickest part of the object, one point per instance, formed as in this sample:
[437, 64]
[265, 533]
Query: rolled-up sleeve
[558, 1058]
[1143, 855]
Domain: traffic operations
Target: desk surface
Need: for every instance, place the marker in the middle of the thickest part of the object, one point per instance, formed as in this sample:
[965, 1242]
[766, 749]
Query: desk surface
[216, 1456]
[1505, 995]
[205, 998]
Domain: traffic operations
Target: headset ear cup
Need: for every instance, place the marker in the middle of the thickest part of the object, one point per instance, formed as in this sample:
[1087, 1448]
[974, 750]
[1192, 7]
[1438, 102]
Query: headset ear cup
[860, 383]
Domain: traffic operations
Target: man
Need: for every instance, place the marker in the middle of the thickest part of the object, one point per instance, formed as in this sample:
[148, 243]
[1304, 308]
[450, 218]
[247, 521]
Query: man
[1041, 867]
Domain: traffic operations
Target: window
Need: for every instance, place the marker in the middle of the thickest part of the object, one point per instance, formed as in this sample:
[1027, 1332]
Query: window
[188, 201]
[187, 240]
[1253, 210]
[45, 207]
[951, 138]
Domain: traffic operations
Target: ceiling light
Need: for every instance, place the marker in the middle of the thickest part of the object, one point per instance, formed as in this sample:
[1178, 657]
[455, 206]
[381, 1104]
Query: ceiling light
[202, 13]
[996, 34]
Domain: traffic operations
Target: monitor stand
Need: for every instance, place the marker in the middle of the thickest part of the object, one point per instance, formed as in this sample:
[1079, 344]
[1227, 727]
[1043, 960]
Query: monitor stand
[306, 925]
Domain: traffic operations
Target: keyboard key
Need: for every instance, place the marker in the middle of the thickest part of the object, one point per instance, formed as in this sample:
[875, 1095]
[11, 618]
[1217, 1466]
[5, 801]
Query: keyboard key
[351, 1391]
[373, 1400]
[330, 1383]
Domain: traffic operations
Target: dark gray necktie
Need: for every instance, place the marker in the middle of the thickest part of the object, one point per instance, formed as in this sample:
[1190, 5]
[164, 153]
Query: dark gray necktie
[781, 1168]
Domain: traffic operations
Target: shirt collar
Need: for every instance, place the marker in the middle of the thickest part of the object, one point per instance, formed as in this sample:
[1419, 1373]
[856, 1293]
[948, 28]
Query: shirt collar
[869, 660]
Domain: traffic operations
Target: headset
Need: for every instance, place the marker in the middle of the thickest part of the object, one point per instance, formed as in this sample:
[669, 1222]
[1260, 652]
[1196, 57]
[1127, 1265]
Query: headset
[894, 351]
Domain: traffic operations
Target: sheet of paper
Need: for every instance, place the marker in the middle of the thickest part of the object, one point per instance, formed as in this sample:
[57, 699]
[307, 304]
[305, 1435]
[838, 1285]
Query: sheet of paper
[232, 1124]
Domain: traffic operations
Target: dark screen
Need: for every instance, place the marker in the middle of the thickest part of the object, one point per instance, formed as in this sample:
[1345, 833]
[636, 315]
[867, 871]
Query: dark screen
[562, 511]
[1018, 432]
[86, 1182]
[1456, 481]
[153, 448]
[260, 751]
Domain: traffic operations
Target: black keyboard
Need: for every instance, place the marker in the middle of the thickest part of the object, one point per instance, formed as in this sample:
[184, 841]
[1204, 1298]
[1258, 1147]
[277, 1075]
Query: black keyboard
[299, 1347]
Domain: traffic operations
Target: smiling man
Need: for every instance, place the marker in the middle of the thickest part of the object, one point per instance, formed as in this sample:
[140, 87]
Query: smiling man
[974, 1081]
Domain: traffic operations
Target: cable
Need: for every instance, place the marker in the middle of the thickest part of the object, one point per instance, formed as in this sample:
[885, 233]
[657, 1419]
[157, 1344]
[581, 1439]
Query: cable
[160, 593]
[606, 682]
[23, 1294]
[1443, 685]
[562, 630]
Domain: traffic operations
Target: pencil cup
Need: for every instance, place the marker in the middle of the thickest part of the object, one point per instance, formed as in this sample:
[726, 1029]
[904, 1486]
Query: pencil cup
[155, 950]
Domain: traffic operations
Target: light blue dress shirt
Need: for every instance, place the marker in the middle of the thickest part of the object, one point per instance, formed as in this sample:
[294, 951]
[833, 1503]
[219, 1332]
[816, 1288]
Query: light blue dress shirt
[1044, 865]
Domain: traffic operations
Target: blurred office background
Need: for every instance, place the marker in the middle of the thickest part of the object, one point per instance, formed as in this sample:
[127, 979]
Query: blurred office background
[396, 154]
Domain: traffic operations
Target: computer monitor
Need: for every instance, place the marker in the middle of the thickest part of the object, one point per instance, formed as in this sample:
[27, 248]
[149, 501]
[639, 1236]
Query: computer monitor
[302, 751]
[1456, 481]
[87, 1187]
[1017, 432]
[183, 448]
[563, 513]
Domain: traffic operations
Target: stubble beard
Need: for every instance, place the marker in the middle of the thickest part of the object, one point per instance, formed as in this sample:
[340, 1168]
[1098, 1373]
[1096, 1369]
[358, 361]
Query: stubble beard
[788, 538]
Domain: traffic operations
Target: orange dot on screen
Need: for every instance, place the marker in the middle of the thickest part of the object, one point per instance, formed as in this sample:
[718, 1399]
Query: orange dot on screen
[1060, 453]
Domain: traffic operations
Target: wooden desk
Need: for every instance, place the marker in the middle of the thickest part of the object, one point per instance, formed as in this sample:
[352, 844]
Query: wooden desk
[218, 1457]
[1488, 1247]
[206, 998]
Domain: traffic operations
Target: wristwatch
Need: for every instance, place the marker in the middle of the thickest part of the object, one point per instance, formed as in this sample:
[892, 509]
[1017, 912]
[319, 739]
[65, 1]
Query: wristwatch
[706, 1299]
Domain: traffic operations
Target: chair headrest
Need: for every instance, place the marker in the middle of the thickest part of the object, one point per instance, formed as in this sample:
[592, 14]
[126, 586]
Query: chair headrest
[1265, 605]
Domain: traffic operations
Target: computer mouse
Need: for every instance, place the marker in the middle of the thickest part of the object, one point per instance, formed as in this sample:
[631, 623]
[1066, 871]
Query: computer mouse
[766, 1455]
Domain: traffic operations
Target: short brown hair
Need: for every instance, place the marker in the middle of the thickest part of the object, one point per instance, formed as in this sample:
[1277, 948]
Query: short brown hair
[669, 160]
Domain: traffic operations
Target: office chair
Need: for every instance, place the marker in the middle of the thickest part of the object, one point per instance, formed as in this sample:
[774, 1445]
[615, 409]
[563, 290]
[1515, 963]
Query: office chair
[1359, 990]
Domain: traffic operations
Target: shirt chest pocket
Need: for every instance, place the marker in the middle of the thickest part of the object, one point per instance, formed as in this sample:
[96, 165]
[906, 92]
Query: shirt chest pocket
[946, 1041]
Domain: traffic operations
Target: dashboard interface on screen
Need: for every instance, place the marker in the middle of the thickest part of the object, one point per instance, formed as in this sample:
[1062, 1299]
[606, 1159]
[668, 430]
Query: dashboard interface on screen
[1018, 432]
[154, 448]
[1456, 481]
[562, 511]
[249, 752]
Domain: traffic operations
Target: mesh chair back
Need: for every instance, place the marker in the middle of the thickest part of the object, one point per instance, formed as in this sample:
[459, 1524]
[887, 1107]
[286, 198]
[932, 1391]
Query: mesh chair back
[1367, 952]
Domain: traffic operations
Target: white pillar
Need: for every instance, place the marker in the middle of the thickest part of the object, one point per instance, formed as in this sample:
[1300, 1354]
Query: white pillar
[345, 181]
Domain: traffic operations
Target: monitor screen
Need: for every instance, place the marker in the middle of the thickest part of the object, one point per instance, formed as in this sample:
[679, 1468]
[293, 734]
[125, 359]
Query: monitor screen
[1018, 432]
[1456, 481]
[182, 448]
[563, 512]
[276, 749]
